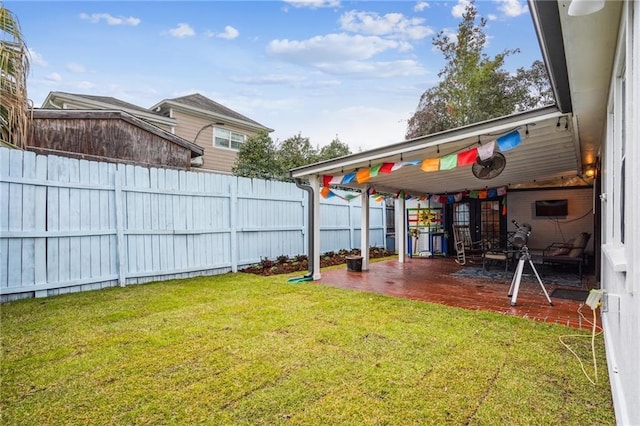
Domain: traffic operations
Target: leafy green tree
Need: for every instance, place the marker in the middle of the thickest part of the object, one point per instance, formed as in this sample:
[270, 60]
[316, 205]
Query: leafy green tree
[260, 157]
[474, 87]
[296, 151]
[257, 158]
[14, 68]
[334, 150]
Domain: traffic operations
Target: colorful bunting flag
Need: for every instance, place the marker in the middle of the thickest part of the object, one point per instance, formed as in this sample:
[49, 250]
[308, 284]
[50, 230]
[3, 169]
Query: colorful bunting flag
[448, 162]
[467, 157]
[486, 151]
[509, 141]
[363, 175]
[348, 178]
[386, 168]
[430, 165]
[373, 172]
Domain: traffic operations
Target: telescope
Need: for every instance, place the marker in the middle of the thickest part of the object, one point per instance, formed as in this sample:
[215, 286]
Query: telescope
[520, 242]
[521, 236]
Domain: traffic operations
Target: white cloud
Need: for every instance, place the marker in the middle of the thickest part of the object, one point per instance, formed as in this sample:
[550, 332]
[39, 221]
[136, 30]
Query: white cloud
[333, 48]
[512, 8]
[73, 67]
[458, 10]
[54, 76]
[36, 58]
[109, 19]
[85, 85]
[270, 79]
[229, 33]
[492, 17]
[182, 30]
[403, 68]
[420, 6]
[313, 4]
[391, 24]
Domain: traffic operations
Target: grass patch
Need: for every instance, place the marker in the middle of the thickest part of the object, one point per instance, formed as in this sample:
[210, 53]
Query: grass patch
[245, 349]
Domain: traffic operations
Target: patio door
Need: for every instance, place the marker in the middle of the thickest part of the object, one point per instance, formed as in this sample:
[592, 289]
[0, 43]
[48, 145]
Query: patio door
[485, 220]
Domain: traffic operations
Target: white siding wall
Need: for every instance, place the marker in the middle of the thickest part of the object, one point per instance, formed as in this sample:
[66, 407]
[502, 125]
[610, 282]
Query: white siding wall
[71, 225]
[621, 254]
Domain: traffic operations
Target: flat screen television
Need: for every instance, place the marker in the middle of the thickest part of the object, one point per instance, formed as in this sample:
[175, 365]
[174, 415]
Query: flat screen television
[552, 208]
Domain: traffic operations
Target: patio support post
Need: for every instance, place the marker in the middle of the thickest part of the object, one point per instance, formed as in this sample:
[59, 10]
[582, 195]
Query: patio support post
[401, 229]
[364, 230]
[314, 183]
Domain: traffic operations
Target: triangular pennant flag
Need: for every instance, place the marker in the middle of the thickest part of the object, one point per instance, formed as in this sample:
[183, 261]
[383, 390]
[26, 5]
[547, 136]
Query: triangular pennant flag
[509, 141]
[386, 168]
[430, 165]
[348, 178]
[467, 157]
[363, 175]
[325, 191]
[448, 162]
[486, 151]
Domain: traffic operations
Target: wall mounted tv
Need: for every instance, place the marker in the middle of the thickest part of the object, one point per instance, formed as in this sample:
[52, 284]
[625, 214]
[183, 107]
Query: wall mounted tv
[552, 208]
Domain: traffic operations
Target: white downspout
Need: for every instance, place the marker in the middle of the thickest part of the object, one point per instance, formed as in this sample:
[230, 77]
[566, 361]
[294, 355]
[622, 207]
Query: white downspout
[314, 183]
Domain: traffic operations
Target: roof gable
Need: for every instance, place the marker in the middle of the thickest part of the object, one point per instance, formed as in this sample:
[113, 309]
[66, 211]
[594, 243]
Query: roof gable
[200, 103]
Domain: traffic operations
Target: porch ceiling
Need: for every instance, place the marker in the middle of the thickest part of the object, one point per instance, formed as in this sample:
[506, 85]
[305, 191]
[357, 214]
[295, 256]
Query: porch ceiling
[548, 152]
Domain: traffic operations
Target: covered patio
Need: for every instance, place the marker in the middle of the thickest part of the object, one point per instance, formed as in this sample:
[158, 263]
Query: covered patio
[438, 280]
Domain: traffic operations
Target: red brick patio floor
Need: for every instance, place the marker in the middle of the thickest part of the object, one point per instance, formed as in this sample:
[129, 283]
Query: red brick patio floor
[431, 280]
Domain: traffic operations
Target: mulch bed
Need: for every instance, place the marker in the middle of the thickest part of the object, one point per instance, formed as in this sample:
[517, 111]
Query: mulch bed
[285, 265]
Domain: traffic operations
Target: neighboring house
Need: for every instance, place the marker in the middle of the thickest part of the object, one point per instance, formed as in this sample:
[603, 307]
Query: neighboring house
[108, 135]
[217, 129]
[590, 135]
[62, 100]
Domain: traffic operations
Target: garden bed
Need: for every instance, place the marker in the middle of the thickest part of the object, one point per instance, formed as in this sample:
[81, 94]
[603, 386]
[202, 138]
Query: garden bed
[285, 264]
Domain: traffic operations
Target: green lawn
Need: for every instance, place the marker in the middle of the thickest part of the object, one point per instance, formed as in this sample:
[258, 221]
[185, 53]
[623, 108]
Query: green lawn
[244, 349]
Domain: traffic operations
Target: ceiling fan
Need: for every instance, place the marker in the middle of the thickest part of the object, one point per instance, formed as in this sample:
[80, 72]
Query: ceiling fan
[490, 167]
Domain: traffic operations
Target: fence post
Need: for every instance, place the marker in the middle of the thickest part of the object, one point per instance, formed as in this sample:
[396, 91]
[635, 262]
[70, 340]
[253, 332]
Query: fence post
[120, 243]
[233, 222]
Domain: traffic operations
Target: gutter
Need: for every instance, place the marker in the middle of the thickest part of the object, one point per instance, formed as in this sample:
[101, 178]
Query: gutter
[310, 240]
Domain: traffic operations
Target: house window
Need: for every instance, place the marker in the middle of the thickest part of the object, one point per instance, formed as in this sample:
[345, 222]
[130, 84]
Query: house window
[224, 138]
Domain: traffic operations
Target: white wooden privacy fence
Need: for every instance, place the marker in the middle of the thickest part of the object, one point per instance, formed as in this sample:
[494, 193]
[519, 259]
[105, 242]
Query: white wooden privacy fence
[71, 225]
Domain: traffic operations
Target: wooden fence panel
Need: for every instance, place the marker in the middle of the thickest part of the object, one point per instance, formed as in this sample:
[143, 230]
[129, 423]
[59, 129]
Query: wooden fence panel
[72, 225]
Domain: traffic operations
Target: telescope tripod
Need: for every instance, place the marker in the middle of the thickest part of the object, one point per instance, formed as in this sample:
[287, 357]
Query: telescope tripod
[517, 276]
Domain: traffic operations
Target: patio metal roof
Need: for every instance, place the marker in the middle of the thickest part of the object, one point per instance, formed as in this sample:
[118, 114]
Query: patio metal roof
[549, 151]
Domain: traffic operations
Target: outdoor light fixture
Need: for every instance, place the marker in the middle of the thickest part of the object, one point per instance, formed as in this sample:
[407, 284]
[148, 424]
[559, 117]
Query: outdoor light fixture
[589, 170]
[585, 7]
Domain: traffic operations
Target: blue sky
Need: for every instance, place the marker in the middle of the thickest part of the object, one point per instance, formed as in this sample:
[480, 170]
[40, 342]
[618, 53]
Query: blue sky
[321, 68]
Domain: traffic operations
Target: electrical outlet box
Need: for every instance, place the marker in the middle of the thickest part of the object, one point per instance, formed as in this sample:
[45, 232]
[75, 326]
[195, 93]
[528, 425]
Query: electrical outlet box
[594, 298]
